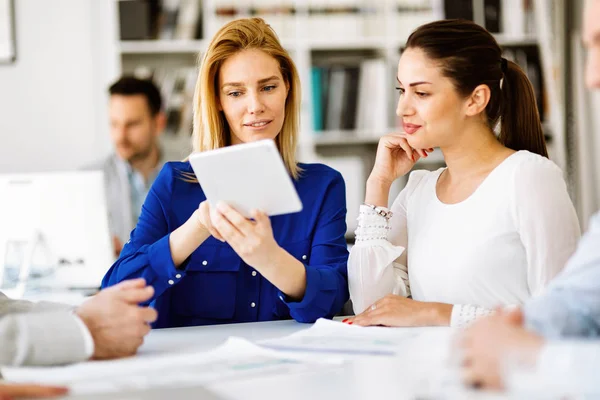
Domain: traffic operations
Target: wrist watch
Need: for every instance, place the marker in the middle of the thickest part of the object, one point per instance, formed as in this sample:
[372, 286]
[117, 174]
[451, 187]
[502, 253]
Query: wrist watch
[382, 211]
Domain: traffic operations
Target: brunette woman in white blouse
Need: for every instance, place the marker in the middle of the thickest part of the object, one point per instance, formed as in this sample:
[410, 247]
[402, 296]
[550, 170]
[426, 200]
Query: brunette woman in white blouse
[489, 230]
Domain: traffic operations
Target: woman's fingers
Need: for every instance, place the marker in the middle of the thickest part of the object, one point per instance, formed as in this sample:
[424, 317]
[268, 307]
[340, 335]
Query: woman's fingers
[399, 140]
[370, 318]
[262, 220]
[409, 151]
[416, 155]
[241, 223]
[215, 233]
[205, 210]
[227, 229]
[9, 391]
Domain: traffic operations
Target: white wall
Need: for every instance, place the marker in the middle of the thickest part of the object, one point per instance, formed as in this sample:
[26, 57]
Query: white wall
[53, 98]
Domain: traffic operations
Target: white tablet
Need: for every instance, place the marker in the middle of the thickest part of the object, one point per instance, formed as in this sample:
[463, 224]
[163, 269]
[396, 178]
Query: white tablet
[247, 176]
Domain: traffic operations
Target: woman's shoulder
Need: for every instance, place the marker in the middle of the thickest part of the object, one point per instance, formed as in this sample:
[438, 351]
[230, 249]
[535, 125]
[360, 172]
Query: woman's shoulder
[526, 167]
[421, 182]
[174, 169]
[419, 177]
[533, 176]
[171, 173]
[524, 160]
[318, 172]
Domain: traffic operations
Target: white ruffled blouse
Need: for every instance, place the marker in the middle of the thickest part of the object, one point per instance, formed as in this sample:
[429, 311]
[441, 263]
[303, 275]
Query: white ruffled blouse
[498, 247]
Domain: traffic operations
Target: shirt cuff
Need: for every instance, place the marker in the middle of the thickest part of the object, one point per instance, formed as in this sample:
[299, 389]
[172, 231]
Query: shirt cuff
[371, 225]
[465, 314]
[318, 299]
[161, 262]
[88, 340]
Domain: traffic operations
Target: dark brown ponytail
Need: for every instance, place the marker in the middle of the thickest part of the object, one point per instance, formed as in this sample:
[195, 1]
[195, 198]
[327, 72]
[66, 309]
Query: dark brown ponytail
[520, 125]
[470, 56]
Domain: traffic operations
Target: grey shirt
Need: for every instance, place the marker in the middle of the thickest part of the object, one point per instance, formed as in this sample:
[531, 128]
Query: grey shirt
[39, 333]
[570, 305]
[126, 191]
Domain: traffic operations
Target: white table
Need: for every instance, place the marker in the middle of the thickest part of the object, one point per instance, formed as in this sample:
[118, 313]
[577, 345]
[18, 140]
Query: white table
[161, 341]
[363, 377]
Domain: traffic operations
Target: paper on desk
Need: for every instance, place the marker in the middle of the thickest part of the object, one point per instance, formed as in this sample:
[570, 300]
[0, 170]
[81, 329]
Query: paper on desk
[336, 337]
[235, 359]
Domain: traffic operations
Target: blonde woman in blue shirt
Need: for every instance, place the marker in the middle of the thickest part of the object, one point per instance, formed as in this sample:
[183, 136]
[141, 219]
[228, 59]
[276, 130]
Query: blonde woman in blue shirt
[214, 266]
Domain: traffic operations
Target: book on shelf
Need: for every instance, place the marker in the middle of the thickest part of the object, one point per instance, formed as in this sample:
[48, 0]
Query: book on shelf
[168, 19]
[177, 88]
[348, 95]
[518, 17]
[513, 18]
[163, 20]
[459, 9]
[335, 98]
[189, 18]
[135, 20]
[317, 83]
[373, 82]
[492, 15]
[350, 98]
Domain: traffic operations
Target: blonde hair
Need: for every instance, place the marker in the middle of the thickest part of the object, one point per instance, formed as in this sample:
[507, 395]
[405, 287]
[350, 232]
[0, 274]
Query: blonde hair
[211, 130]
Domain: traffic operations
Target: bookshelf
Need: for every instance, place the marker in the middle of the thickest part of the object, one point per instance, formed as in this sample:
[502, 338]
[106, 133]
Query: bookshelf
[334, 35]
[194, 46]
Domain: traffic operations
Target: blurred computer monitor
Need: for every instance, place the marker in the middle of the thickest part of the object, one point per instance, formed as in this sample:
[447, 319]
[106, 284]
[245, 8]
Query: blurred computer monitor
[54, 232]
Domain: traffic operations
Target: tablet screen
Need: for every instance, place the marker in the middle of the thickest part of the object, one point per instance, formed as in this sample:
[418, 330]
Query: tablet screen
[247, 176]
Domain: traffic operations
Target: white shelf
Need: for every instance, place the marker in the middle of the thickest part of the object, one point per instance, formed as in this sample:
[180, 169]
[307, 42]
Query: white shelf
[173, 46]
[196, 46]
[511, 40]
[161, 46]
[346, 44]
[503, 40]
[337, 138]
[351, 138]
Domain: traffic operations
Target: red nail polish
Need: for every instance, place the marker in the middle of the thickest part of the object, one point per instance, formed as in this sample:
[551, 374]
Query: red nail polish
[350, 323]
[345, 320]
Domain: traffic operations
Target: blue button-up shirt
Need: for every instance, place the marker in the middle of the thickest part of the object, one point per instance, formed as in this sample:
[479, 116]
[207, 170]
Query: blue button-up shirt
[570, 306]
[214, 285]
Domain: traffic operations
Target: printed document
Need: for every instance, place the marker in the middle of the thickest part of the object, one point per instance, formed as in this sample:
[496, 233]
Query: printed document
[235, 359]
[336, 337]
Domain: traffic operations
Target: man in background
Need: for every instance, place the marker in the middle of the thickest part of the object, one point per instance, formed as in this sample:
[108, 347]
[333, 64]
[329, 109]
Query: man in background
[136, 123]
[568, 309]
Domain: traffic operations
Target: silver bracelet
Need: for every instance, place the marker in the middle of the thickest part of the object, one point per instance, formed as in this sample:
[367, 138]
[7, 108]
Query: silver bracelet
[382, 211]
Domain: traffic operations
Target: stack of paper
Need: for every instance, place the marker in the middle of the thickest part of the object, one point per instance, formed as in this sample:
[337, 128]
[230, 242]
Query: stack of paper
[234, 360]
[335, 337]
